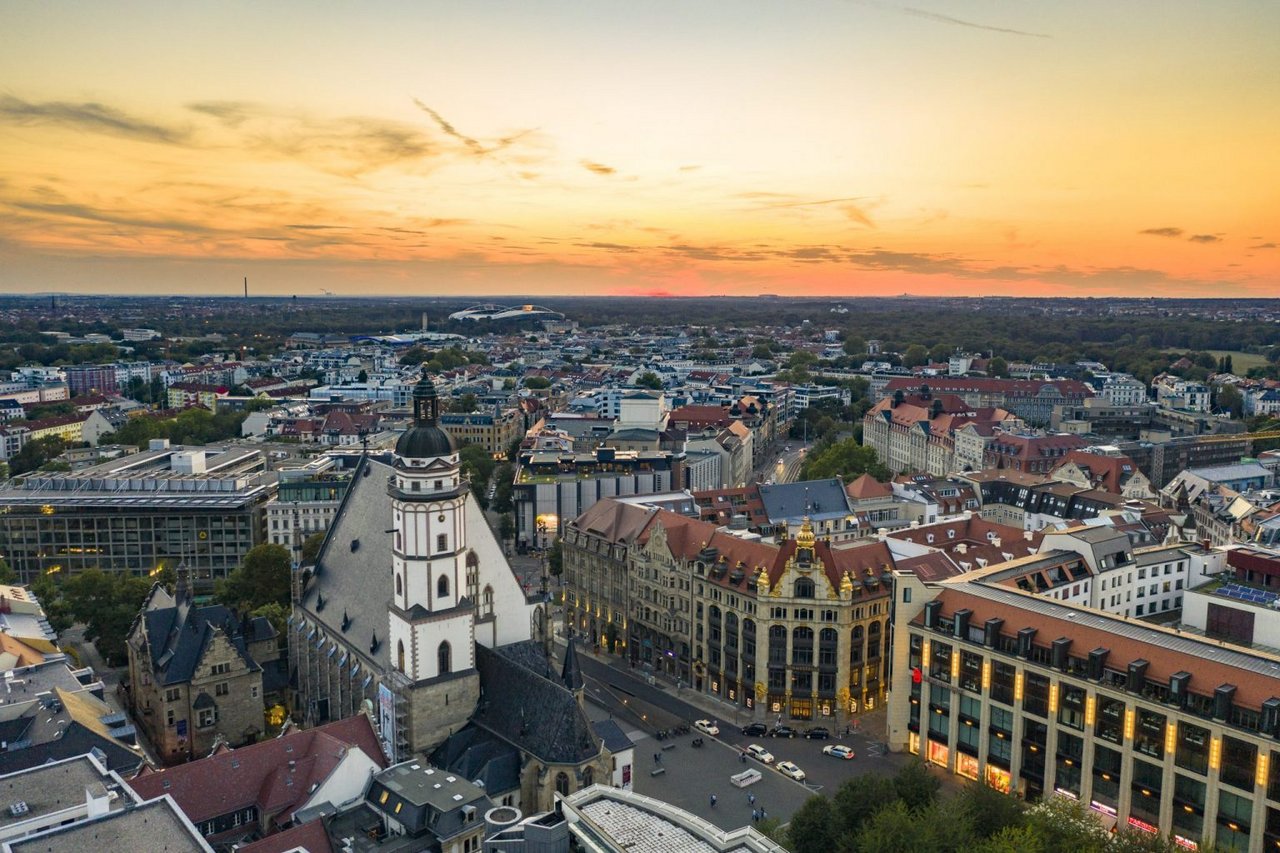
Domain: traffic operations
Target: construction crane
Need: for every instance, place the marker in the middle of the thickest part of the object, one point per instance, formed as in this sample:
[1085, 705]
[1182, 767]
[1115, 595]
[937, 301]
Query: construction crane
[327, 292]
[1249, 436]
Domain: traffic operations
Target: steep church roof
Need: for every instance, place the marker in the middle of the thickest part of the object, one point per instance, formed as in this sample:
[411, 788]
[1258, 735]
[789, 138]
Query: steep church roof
[524, 704]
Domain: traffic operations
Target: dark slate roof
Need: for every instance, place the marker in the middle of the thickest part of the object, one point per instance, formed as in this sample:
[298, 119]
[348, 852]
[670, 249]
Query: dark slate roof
[357, 582]
[474, 754]
[615, 739]
[179, 635]
[570, 673]
[814, 498]
[75, 739]
[422, 442]
[523, 702]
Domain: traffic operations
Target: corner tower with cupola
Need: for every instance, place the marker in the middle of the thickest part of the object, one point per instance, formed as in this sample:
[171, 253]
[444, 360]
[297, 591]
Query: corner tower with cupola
[432, 621]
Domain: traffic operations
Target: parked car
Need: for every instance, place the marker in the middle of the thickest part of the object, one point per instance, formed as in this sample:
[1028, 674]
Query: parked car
[707, 727]
[818, 733]
[759, 753]
[755, 730]
[782, 731]
[838, 750]
[789, 768]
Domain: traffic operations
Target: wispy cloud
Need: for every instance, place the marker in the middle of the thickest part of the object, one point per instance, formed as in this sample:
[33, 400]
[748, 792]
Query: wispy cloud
[87, 116]
[1162, 232]
[1264, 246]
[472, 144]
[948, 19]
[1205, 238]
[84, 212]
[848, 206]
[597, 168]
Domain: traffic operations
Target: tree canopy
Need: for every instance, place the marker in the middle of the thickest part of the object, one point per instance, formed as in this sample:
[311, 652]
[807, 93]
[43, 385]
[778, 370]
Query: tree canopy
[263, 578]
[845, 459]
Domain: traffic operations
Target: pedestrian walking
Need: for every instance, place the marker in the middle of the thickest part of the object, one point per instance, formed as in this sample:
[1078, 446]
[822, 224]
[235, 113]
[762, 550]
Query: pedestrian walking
[751, 798]
[763, 814]
[713, 801]
[657, 758]
[742, 758]
[755, 815]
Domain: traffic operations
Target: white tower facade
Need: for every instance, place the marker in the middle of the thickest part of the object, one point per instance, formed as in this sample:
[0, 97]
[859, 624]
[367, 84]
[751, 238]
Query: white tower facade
[432, 622]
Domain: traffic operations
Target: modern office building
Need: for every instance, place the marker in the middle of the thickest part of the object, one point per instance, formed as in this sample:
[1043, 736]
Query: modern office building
[202, 506]
[1152, 727]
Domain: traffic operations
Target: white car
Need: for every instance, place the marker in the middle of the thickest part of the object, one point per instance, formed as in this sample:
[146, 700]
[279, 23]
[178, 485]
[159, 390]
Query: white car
[707, 727]
[838, 750]
[759, 753]
[789, 768]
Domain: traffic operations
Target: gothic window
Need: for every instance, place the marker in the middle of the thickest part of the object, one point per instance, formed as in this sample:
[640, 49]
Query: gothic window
[400, 655]
[442, 586]
[562, 784]
[803, 588]
[442, 542]
[588, 778]
[487, 609]
[443, 658]
[399, 585]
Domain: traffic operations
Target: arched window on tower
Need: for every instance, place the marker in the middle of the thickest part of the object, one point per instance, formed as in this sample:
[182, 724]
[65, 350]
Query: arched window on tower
[399, 585]
[400, 655]
[442, 586]
[588, 777]
[804, 588]
[487, 606]
[562, 784]
[444, 658]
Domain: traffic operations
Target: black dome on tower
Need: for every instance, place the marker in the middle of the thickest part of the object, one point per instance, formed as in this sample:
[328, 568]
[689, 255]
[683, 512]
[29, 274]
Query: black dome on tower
[425, 438]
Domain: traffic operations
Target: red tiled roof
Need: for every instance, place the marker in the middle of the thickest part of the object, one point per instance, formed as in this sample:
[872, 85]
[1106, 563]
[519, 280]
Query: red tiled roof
[866, 487]
[310, 837]
[274, 775]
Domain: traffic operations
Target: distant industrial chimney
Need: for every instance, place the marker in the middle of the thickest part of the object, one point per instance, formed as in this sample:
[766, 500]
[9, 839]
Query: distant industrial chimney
[246, 287]
[424, 321]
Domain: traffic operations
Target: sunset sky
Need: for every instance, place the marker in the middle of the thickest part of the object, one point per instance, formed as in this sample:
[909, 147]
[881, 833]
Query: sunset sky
[540, 147]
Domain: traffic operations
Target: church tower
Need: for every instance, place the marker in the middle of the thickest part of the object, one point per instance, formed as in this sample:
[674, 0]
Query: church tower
[432, 622]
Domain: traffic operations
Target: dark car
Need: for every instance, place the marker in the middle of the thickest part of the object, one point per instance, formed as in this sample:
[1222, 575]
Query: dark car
[818, 733]
[755, 729]
[782, 731]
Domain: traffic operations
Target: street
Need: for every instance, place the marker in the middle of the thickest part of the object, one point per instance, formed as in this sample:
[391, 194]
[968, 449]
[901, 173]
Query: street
[642, 708]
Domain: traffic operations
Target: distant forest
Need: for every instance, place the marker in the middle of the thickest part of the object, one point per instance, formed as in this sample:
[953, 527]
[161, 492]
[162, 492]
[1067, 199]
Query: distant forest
[1116, 332]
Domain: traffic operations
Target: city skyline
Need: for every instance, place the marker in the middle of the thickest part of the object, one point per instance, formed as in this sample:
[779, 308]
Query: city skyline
[844, 148]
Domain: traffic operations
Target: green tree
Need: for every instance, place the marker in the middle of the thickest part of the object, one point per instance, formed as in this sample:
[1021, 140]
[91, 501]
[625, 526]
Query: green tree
[650, 380]
[858, 799]
[916, 786]
[49, 593]
[940, 353]
[555, 558]
[7, 574]
[997, 367]
[311, 548]
[477, 464]
[896, 828]
[1230, 400]
[854, 345]
[464, 404]
[845, 459]
[506, 527]
[915, 356]
[362, 376]
[504, 482]
[35, 454]
[277, 614]
[814, 828]
[989, 811]
[537, 383]
[261, 579]
[762, 351]
[107, 605]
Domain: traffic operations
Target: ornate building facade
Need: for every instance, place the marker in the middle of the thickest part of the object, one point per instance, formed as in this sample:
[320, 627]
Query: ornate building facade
[796, 630]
